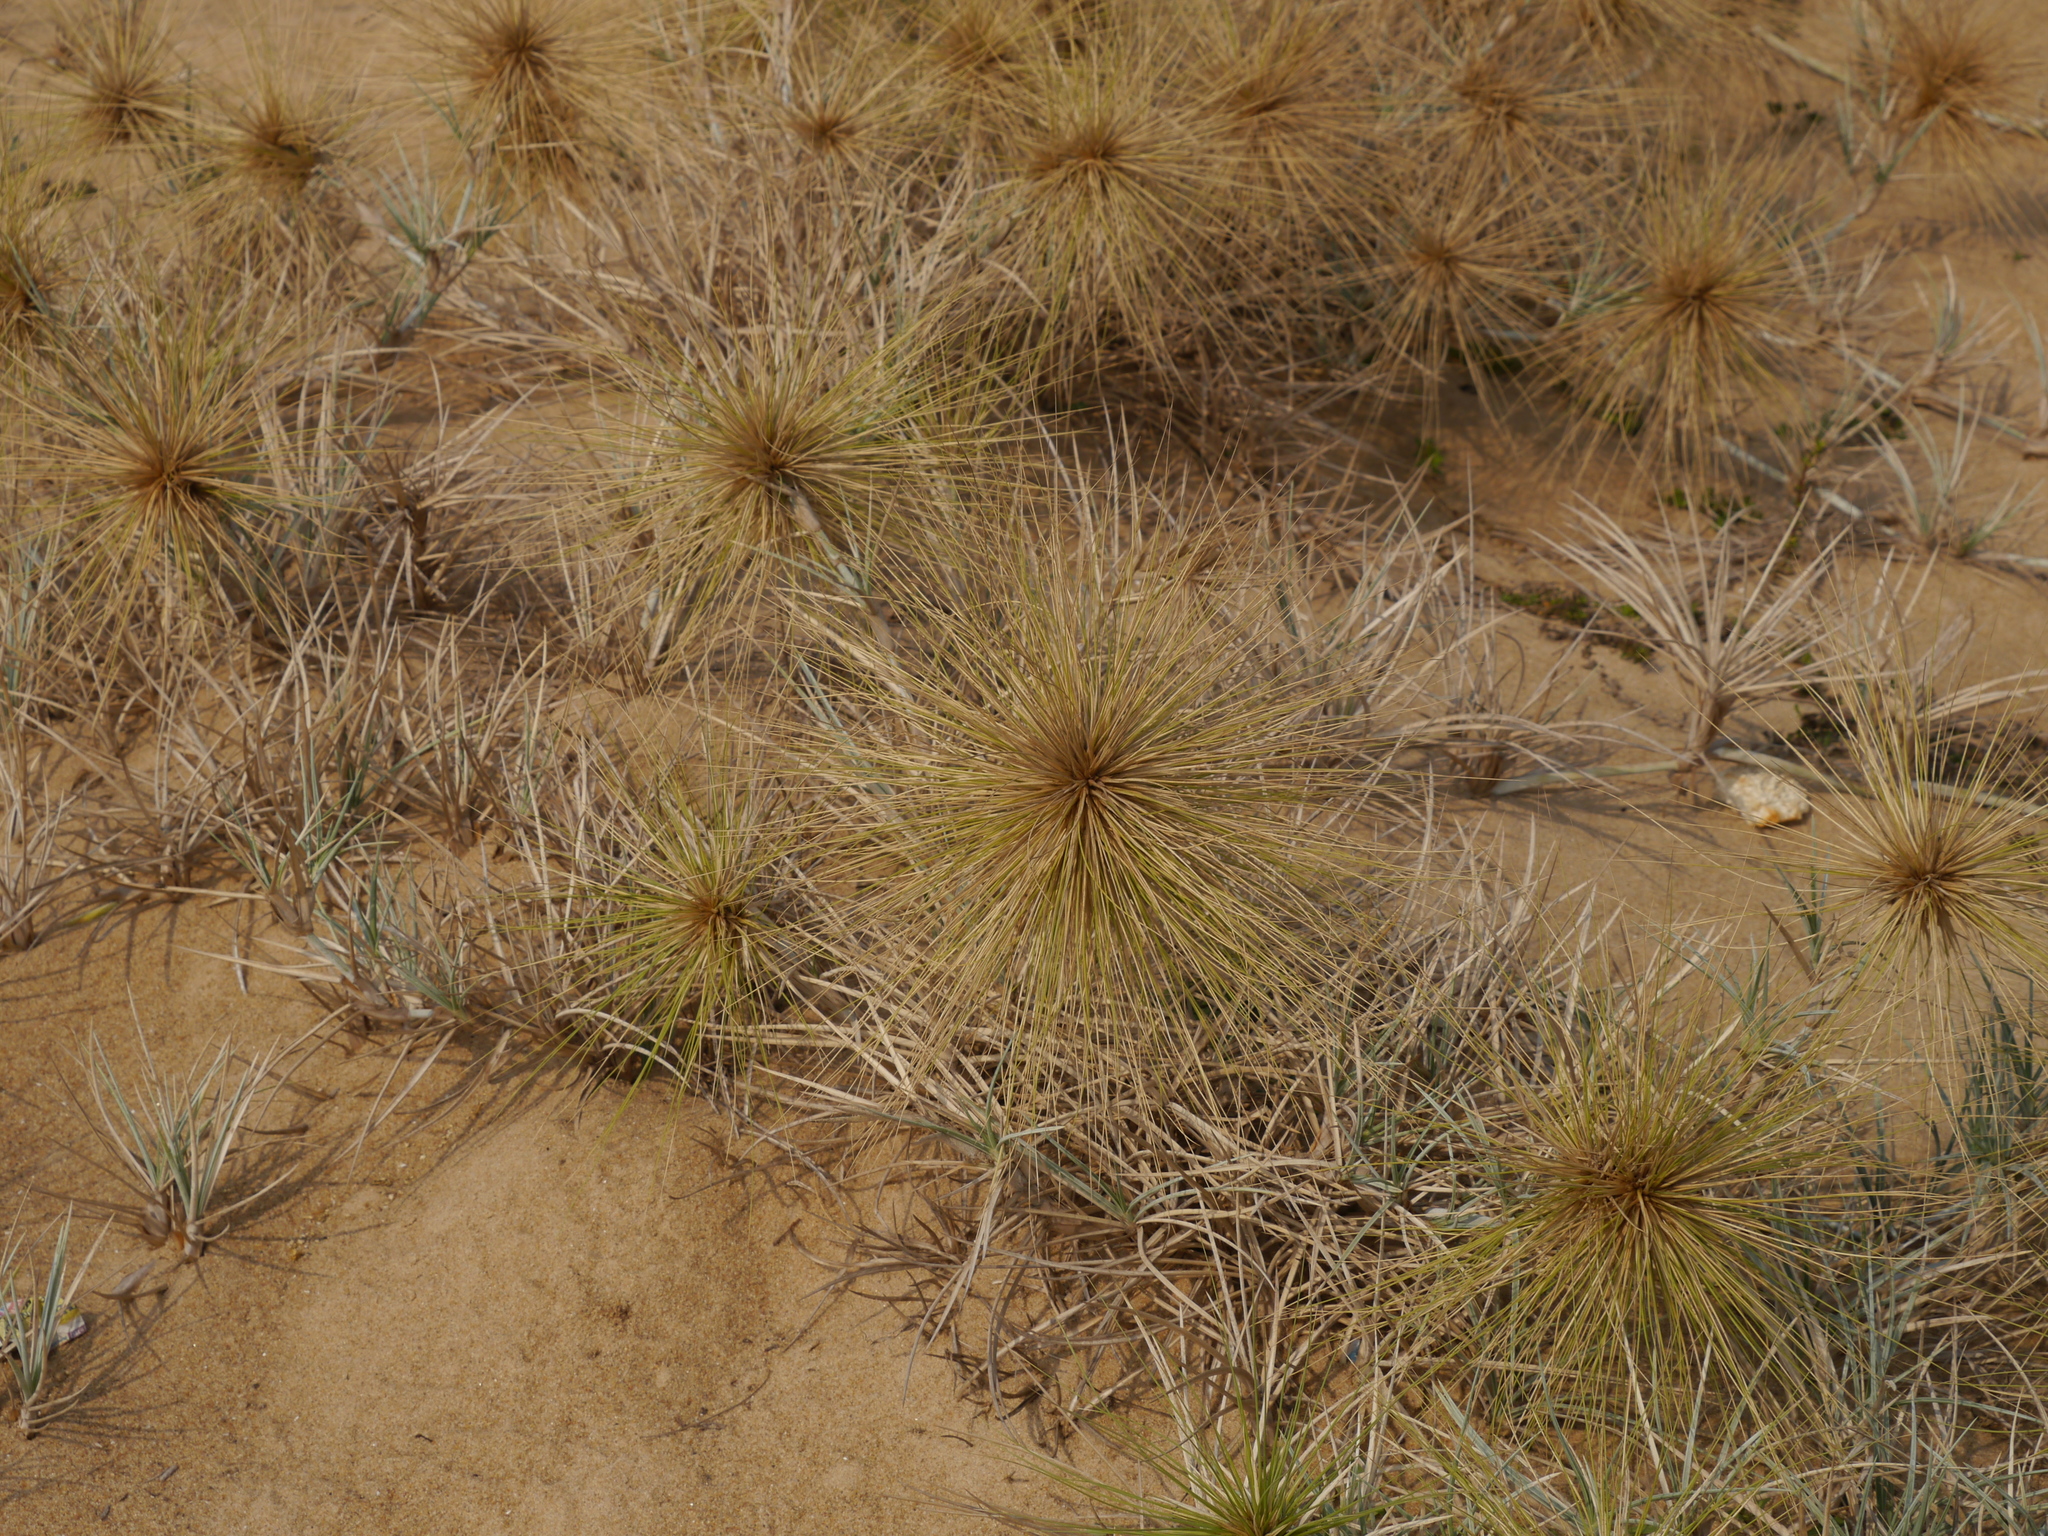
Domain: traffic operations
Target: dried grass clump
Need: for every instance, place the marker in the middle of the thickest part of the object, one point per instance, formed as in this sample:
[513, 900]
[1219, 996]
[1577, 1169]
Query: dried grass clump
[1622, 27]
[1058, 919]
[1734, 633]
[1244, 1450]
[856, 101]
[120, 71]
[980, 52]
[793, 446]
[32, 268]
[1511, 109]
[151, 429]
[1936, 877]
[695, 928]
[1108, 204]
[1962, 73]
[266, 176]
[1284, 90]
[1460, 269]
[1089, 787]
[541, 83]
[1689, 318]
[1650, 1227]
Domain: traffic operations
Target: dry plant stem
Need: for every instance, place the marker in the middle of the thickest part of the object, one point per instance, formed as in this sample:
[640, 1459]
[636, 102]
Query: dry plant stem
[1558, 778]
[1829, 498]
[849, 581]
[2029, 445]
[1848, 508]
[30, 872]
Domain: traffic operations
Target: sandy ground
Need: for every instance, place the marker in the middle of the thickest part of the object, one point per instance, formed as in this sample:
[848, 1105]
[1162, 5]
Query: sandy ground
[550, 1321]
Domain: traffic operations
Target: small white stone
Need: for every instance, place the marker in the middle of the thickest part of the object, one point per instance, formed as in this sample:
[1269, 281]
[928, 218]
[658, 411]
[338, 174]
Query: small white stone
[1765, 799]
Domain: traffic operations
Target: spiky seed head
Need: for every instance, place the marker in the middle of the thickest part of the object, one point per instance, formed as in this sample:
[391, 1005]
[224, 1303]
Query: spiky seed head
[279, 147]
[30, 268]
[118, 55]
[1698, 320]
[539, 79]
[266, 173]
[1614, 26]
[1280, 89]
[150, 429]
[1110, 203]
[1260, 1480]
[691, 934]
[1953, 57]
[1934, 875]
[1459, 266]
[1096, 799]
[1965, 74]
[785, 447]
[980, 41]
[1505, 111]
[855, 100]
[1644, 1222]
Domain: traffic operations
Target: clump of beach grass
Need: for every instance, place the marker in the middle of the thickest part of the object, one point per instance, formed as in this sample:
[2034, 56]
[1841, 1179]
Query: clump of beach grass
[175, 1138]
[36, 1318]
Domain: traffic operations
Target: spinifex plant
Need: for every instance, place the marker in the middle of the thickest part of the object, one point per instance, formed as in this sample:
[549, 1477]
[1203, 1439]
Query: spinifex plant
[538, 81]
[1108, 205]
[1688, 324]
[1094, 781]
[694, 928]
[1257, 1477]
[175, 1137]
[266, 173]
[36, 1318]
[150, 427]
[1650, 1215]
[1955, 874]
[29, 266]
[787, 450]
[1456, 266]
[122, 75]
[1282, 94]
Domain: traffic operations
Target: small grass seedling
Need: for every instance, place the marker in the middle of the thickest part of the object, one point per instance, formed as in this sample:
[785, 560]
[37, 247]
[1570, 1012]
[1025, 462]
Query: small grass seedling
[175, 1137]
[37, 1317]
[1731, 641]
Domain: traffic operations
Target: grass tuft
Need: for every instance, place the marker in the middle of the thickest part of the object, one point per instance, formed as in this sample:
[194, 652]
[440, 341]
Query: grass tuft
[150, 432]
[1688, 327]
[538, 82]
[1648, 1196]
[35, 1320]
[692, 936]
[123, 78]
[1102, 794]
[1108, 205]
[1962, 72]
[1932, 872]
[176, 1137]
